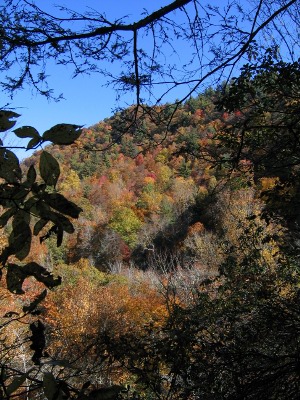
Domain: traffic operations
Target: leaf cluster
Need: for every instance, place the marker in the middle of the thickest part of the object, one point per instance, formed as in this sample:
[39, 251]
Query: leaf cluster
[31, 206]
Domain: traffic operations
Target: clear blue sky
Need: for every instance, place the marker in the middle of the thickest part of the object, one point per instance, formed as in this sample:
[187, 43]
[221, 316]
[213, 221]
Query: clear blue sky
[87, 101]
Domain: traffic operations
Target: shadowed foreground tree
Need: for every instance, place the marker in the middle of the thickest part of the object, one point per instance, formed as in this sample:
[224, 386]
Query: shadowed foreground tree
[30, 206]
[238, 338]
[266, 135]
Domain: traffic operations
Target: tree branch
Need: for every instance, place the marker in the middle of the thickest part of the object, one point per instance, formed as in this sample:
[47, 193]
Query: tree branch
[102, 31]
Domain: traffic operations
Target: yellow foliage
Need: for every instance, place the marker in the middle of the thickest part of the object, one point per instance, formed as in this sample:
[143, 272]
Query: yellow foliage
[151, 201]
[71, 182]
[114, 175]
[268, 183]
[76, 314]
[184, 192]
[162, 156]
[3, 240]
[202, 192]
[163, 176]
[149, 180]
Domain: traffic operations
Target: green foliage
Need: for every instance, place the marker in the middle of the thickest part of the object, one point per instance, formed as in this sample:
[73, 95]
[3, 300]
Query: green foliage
[127, 224]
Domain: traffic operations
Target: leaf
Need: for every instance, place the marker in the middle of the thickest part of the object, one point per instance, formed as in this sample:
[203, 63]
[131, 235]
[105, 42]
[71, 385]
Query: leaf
[31, 175]
[42, 275]
[61, 204]
[38, 340]
[16, 274]
[5, 123]
[27, 131]
[66, 224]
[6, 252]
[21, 216]
[50, 386]
[30, 205]
[49, 168]
[63, 134]
[19, 193]
[15, 384]
[33, 143]
[6, 216]
[61, 224]
[59, 236]
[39, 226]
[20, 239]
[9, 166]
[15, 278]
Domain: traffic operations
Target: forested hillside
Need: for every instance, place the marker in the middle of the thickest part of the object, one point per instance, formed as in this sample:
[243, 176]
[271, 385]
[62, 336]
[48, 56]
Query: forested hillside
[181, 278]
[143, 200]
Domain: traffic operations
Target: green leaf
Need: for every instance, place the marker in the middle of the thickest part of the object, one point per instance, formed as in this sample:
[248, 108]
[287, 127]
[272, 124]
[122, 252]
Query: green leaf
[39, 226]
[66, 224]
[49, 168]
[50, 386]
[5, 123]
[20, 239]
[59, 236]
[63, 134]
[21, 217]
[6, 216]
[9, 166]
[30, 205]
[39, 208]
[61, 221]
[27, 131]
[33, 143]
[31, 175]
[15, 384]
[61, 204]
[19, 194]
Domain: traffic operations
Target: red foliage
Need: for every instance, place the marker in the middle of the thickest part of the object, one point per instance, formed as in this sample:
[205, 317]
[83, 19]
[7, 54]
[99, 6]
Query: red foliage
[199, 113]
[238, 113]
[139, 160]
[125, 252]
[103, 179]
[151, 175]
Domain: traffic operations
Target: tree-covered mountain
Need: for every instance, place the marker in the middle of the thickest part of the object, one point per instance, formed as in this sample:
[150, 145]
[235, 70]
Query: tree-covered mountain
[147, 196]
[181, 279]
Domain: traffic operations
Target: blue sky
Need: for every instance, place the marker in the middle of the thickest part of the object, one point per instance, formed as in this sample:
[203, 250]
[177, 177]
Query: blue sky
[86, 99]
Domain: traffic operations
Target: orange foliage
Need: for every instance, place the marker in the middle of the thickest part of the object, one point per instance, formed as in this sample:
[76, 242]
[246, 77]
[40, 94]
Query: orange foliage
[78, 313]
